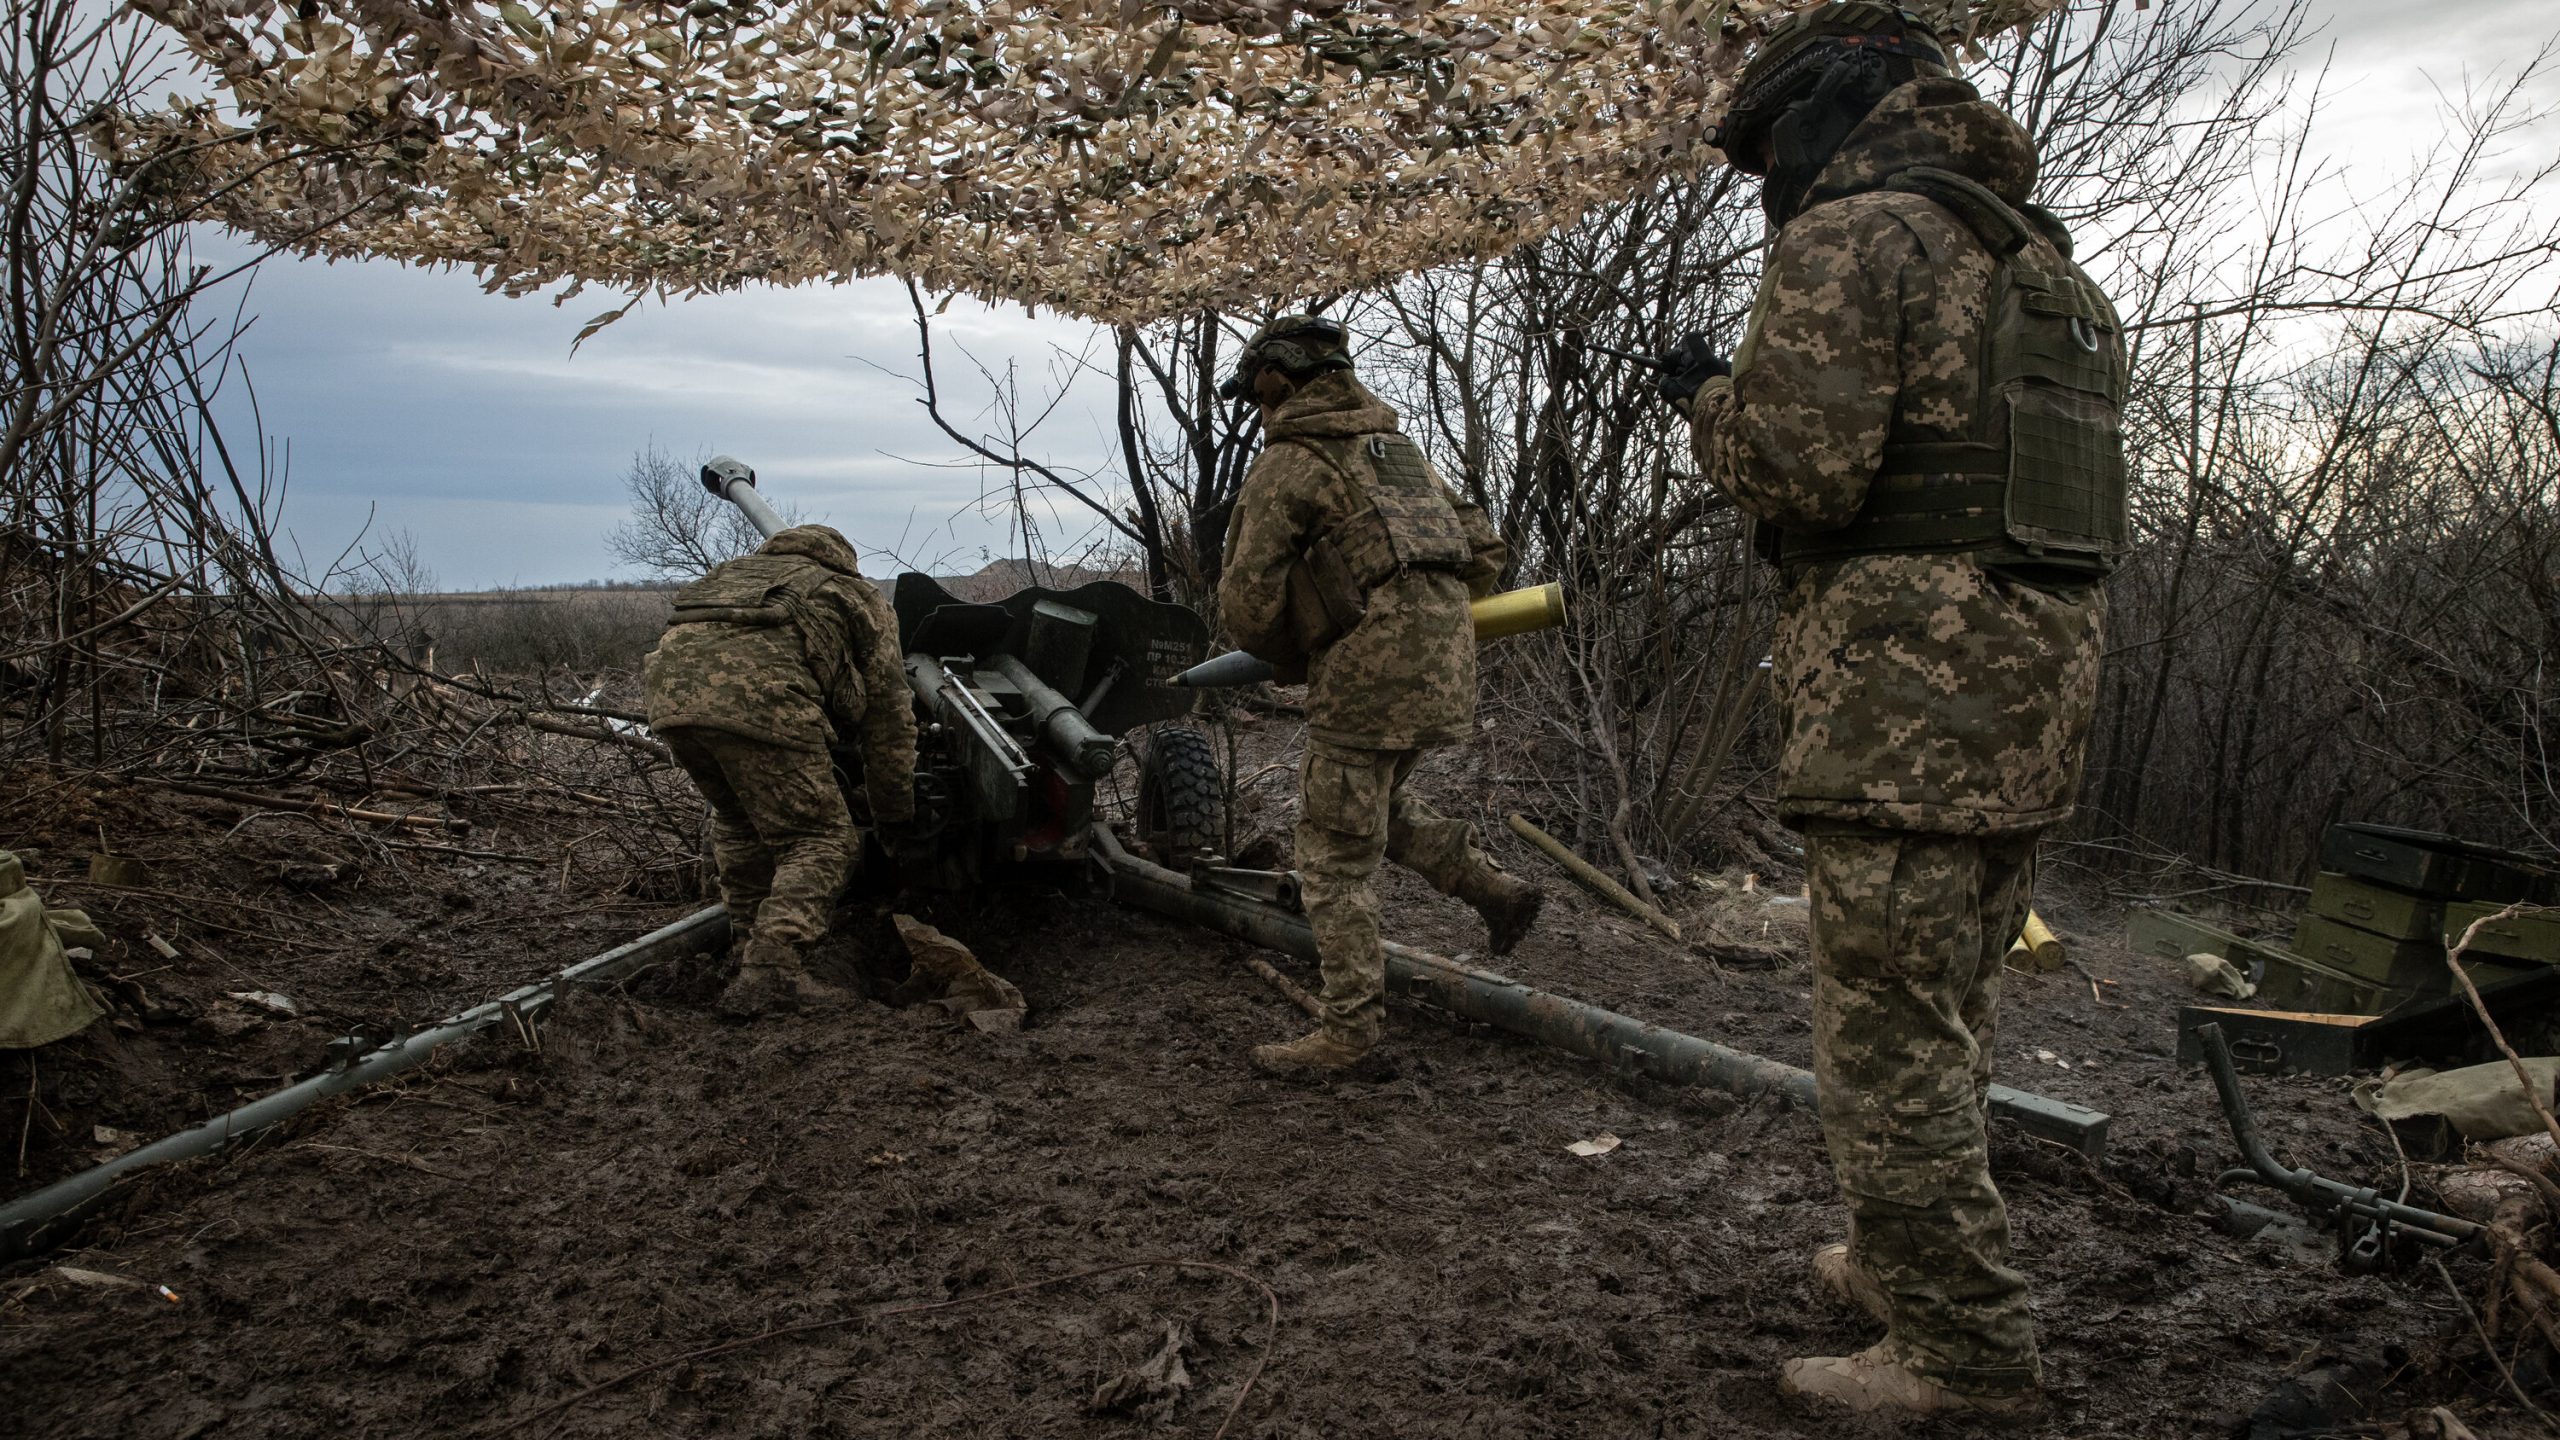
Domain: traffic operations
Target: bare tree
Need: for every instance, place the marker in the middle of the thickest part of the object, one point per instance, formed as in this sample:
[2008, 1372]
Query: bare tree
[678, 529]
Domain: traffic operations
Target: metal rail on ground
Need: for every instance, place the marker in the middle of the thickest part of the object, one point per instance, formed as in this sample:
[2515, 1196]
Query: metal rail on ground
[1619, 1041]
[26, 1221]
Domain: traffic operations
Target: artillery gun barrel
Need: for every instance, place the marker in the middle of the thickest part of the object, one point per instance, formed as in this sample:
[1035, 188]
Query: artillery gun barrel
[1619, 1041]
[734, 480]
[1513, 612]
[1086, 750]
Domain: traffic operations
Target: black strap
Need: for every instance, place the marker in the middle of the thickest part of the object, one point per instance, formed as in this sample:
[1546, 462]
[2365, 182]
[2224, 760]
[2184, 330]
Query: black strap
[1992, 220]
[1945, 457]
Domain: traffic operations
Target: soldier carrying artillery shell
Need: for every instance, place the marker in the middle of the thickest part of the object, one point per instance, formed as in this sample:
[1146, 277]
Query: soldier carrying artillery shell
[1350, 564]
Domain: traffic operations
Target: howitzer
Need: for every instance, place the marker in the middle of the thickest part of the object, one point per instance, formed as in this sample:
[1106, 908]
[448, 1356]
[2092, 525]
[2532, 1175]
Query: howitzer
[1021, 707]
[1513, 612]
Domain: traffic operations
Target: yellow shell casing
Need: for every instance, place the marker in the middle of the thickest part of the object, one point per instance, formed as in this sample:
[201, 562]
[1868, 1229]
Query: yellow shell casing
[1517, 612]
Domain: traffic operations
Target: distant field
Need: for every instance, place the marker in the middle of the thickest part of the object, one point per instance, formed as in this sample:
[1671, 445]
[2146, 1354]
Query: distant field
[520, 630]
[603, 628]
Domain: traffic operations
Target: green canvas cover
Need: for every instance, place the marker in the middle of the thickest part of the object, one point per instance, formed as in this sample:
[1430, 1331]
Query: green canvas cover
[41, 1001]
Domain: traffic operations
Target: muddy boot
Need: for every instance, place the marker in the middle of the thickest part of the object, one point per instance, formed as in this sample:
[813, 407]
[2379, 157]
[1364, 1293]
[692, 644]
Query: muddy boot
[810, 991]
[771, 979]
[1318, 1052]
[1838, 1279]
[1870, 1384]
[761, 987]
[1509, 905]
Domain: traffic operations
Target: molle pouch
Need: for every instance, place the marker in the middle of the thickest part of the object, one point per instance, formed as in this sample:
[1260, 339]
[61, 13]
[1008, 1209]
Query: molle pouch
[2057, 363]
[2066, 473]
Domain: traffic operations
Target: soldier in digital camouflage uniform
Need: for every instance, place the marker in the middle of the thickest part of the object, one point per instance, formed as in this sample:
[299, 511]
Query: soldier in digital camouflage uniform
[1922, 418]
[1350, 564]
[769, 662]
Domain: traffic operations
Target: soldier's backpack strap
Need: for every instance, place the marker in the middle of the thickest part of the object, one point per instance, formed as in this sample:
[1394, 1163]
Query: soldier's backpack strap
[2040, 482]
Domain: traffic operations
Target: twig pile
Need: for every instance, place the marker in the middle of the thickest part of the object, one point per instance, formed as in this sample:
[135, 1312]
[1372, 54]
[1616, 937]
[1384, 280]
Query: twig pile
[1113, 159]
[275, 702]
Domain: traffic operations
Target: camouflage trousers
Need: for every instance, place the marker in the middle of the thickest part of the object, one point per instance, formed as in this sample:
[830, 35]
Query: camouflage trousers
[1353, 810]
[1909, 932]
[779, 829]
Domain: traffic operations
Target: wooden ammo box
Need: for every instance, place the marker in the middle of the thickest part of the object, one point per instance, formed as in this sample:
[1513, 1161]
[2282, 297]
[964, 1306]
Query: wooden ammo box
[2171, 936]
[2533, 935]
[2413, 965]
[2378, 908]
[2431, 864]
[2272, 1042]
[2298, 982]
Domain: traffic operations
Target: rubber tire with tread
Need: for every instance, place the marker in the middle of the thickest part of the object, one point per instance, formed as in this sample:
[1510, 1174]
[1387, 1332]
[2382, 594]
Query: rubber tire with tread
[1181, 796]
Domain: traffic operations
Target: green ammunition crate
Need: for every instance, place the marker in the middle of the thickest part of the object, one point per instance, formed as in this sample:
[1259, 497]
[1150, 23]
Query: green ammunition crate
[2530, 935]
[2294, 982]
[2167, 935]
[2413, 965]
[2423, 861]
[2378, 908]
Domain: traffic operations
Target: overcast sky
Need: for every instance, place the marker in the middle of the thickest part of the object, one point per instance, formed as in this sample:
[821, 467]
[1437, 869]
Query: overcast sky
[408, 400]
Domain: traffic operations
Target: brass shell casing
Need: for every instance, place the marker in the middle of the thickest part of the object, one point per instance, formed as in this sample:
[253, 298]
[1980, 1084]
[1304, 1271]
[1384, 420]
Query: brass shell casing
[1517, 612]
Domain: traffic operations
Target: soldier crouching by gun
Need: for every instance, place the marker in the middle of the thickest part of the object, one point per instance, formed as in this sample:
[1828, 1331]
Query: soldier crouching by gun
[1350, 564]
[768, 660]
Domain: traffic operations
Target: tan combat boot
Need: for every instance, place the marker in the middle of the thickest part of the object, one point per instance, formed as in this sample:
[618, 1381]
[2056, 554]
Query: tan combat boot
[1317, 1052]
[1870, 1384]
[1509, 905]
[773, 979]
[1838, 1277]
[762, 986]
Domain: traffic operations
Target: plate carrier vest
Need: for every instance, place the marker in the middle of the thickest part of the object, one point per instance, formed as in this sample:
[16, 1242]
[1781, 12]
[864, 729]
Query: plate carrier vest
[2040, 484]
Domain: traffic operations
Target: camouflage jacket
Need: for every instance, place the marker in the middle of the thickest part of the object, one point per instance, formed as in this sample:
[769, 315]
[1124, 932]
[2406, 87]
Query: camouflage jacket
[791, 646]
[1405, 676]
[1919, 692]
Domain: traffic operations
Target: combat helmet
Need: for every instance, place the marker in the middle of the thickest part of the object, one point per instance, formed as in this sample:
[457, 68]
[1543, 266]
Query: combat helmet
[1296, 345]
[1813, 79]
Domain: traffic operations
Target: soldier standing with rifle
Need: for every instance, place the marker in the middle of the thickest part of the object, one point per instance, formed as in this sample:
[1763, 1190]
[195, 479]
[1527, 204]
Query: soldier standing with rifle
[1923, 421]
[769, 662]
[1350, 564]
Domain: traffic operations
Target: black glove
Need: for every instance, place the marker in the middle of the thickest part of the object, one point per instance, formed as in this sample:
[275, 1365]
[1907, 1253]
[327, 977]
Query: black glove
[1686, 366]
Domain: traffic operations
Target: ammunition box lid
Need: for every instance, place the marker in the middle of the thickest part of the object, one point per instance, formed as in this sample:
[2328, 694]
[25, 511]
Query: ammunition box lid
[2425, 862]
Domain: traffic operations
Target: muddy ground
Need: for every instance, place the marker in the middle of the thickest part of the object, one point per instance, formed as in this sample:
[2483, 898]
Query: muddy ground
[451, 1253]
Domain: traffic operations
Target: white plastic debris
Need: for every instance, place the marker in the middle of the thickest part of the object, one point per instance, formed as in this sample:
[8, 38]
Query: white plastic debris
[1600, 1144]
[266, 1000]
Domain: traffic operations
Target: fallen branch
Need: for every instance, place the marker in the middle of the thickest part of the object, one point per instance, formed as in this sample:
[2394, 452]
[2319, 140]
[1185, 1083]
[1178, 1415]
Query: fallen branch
[1583, 870]
[1292, 989]
[2453, 961]
[549, 725]
[317, 807]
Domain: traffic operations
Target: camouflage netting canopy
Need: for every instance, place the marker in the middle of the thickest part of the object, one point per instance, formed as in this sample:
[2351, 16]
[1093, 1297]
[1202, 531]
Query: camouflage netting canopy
[1121, 160]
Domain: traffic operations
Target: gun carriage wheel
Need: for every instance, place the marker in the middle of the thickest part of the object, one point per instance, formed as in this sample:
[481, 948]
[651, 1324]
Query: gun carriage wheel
[1181, 796]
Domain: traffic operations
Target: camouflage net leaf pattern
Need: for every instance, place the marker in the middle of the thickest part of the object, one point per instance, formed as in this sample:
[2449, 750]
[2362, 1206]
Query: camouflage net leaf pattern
[1118, 161]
